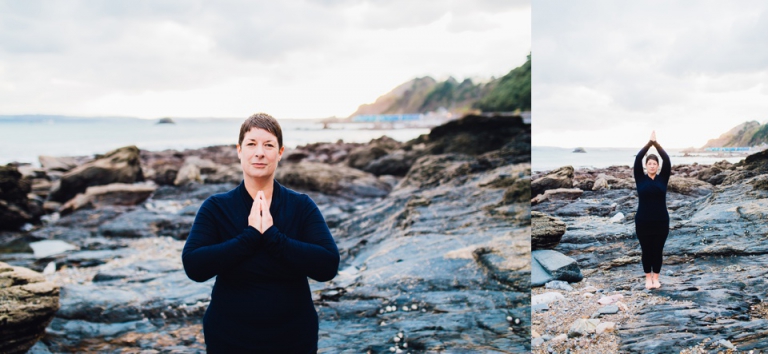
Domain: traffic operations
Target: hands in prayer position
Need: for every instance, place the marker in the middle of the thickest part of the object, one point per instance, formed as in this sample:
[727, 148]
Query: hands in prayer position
[260, 218]
[653, 135]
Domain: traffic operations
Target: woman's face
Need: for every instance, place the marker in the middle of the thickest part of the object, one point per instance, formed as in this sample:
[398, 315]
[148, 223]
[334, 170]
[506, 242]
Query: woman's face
[259, 153]
[652, 166]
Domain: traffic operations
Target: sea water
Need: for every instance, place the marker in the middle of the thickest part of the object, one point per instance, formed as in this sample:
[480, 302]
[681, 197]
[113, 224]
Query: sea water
[24, 139]
[544, 158]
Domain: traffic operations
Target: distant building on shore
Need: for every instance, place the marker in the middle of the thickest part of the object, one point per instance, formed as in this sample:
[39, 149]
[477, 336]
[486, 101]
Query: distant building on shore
[729, 149]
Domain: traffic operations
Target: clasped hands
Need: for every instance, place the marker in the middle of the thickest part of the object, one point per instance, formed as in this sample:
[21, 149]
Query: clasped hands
[260, 218]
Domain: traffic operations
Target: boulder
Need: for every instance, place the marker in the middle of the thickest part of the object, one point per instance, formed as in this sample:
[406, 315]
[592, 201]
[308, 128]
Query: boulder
[582, 327]
[559, 178]
[396, 164]
[15, 209]
[556, 265]
[688, 186]
[546, 231]
[28, 305]
[601, 183]
[361, 156]
[558, 194]
[110, 194]
[476, 135]
[187, 174]
[117, 166]
[53, 163]
[331, 179]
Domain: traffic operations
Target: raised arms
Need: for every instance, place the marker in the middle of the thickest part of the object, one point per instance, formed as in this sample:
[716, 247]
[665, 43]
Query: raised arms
[666, 165]
[638, 167]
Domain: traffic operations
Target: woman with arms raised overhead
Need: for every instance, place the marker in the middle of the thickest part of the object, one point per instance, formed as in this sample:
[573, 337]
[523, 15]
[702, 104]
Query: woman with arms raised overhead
[652, 218]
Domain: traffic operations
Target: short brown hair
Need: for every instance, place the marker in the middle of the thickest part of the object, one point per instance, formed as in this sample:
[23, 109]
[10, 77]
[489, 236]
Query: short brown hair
[652, 157]
[262, 121]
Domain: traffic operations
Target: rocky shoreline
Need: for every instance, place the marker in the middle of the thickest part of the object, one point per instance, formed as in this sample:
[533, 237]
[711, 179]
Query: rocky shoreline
[714, 288]
[433, 233]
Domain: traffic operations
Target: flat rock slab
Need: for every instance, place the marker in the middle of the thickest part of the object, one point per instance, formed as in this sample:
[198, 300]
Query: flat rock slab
[558, 265]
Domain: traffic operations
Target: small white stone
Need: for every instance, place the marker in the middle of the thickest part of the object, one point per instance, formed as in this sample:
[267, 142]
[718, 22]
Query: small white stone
[405, 345]
[509, 318]
[414, 307]
[381, 311]
[383, 323]
[400, 334]
[517, 321]
[398, 351]
[405, 308]
[50, 268]
[397, 339]
[392, 349]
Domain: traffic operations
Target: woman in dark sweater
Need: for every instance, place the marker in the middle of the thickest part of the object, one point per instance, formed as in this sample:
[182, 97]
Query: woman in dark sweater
[652, 218]
[261, 241]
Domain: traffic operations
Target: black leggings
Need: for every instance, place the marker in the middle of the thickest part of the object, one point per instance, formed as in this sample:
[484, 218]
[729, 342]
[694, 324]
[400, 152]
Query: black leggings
[652, 236]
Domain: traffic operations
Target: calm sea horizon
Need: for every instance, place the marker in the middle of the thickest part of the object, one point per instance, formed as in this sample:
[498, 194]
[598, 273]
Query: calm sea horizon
[545, 158]
[23, 139]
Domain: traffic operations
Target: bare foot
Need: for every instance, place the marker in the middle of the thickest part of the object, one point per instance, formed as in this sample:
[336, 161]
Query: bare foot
[656, 283]
[648, 283]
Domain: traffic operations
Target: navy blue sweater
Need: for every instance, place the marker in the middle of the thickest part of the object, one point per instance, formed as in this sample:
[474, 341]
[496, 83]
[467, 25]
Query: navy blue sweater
[652, 193]
[261, 302]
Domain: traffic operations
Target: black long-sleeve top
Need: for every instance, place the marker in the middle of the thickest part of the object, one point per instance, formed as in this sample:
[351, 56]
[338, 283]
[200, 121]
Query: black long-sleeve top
[261, 302]
[652, 193]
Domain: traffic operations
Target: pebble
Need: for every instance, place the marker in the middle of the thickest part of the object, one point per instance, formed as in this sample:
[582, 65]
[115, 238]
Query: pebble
[546, 298]
[540, 307]
[535, 334]
[587, 295]
[622, 306]
[726, 343]
[608, 310]
[560, 338]
[535, 342]
[605, 327]
[607, 300]
[559, 285]
[582, 327]
[590, 289]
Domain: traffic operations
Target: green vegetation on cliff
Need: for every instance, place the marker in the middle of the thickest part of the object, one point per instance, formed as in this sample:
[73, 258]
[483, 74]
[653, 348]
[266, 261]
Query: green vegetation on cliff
[511, 92]
[422, 95]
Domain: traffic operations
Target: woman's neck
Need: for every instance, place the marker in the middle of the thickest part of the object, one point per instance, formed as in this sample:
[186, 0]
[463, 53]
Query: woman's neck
[652, 176]
[254, 185]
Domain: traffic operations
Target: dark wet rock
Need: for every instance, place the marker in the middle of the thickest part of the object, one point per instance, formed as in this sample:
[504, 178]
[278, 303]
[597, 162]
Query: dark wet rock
[557, 265]
[118, 166]
[146, 223]
[559, 178]
[396, 163]
[546, 231]
[28, 305]
[475, 135]
[15, 207]
[363, 155]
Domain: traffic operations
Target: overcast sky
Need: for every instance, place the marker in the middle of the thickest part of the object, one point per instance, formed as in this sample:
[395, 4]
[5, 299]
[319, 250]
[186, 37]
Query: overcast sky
[292, 59]
[606, 73]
